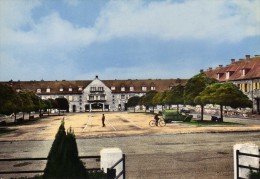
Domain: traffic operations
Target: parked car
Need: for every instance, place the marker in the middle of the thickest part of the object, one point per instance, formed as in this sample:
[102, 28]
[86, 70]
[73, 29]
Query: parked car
[172, 115]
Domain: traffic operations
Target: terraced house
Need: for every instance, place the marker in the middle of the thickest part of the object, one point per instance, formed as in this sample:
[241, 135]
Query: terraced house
[96, 94]
[245, 73]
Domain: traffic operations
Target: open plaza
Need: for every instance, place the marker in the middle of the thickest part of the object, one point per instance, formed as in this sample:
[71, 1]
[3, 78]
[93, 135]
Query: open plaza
[177, 150]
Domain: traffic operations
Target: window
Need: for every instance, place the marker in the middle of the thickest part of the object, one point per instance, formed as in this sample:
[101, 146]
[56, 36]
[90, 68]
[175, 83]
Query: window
[100, 89]
[92, 88]
[48, 90]
[70, 98]
[39, 90]
[102, 97]
[122, 96]
[131, 88]
[61, 89]
[91, 98]
[70, 89]
[18, 90]
[245, 87]
[122, 88]
[144, 88]
[152, 87]
[80, 88]
[113, 88]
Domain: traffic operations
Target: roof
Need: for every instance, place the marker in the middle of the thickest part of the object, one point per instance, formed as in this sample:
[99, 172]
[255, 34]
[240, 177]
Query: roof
[55, 86]
[235, 70]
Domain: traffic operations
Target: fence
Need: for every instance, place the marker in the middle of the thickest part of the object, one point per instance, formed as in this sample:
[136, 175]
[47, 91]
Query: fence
[238, 153]
[122, 173]
[246, 159]
[111, 172]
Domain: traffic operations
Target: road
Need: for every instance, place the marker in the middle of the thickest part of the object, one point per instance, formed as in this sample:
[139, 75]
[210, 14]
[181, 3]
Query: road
[181, 156]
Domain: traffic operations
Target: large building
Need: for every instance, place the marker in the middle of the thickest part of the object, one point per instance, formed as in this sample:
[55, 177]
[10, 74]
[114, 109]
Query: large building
[245, 73]
[96, 94]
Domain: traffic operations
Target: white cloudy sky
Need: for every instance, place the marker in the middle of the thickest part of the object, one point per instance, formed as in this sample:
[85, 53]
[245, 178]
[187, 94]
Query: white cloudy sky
[78, 39]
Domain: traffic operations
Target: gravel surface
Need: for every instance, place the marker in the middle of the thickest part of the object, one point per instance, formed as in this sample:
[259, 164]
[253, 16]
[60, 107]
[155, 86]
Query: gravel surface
[175, 151]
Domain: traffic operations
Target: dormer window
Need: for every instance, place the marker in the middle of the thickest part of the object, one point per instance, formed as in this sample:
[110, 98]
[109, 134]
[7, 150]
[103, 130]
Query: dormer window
[80, 88]
[219, 75]
[18, 90]
[131, 88]
[122, 88]
[48, 90]
[245, 71]
[144, 88]
[38, 90]
[70, 89]
[113, 88]
[228, 74]
[153, 88]
[61, 89]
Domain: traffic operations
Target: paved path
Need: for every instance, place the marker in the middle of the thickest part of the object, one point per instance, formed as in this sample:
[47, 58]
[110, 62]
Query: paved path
[170, 156]
[175, 151]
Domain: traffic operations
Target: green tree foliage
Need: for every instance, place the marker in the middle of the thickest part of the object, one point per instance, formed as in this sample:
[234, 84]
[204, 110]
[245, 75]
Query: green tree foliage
[63, 161]
[133, 101]
[62, 104]
[175, 96]
[158, 98]
[27, 103]
[226, 94]
[7, 95]
[147, 100]
[194, 87]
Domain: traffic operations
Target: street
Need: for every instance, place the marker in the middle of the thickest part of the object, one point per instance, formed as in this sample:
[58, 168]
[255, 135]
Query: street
[182, 156]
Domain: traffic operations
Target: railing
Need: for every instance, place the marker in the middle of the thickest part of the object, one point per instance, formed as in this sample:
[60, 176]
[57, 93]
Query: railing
[238, 153]
[111, 172]
[44, 159]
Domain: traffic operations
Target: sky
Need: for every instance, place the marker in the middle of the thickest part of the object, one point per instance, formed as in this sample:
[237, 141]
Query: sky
[119, 39]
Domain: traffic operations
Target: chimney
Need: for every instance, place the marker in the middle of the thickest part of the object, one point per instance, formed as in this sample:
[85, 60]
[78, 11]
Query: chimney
[210, 68]
[220, 66]
[247, 57]
[201, 71]
[233, 60]
[96, 76]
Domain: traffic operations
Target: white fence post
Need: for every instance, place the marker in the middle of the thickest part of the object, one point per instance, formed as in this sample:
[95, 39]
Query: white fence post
[109, 156]
[248, 148]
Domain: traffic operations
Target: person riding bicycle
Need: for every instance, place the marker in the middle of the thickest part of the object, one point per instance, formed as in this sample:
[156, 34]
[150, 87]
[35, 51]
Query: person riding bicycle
[156, 118]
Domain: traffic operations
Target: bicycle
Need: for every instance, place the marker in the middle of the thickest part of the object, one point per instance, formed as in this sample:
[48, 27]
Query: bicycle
[161, 123]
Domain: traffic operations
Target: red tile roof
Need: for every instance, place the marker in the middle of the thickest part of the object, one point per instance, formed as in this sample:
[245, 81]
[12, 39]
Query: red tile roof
[54, 86]
[252, 67]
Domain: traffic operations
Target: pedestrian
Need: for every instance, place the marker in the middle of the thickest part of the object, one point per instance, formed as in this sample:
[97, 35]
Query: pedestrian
[156, 118]
[103, 120]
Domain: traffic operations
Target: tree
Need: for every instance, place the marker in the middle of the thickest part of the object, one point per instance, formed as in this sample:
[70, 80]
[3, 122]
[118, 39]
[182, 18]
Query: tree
[158, 98]
[62, 104]
[7, 95]
[133, 101]
[226, 94]
[63, 160]
[27, 103]
[194, 87]
[175, 96]
[148, 99]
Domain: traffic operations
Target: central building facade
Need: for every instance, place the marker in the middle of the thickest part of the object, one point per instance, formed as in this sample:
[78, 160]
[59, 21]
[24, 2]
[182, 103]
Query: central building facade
[96, 94]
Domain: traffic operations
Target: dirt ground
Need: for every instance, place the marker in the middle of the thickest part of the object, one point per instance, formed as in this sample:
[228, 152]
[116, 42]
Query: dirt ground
[89, 125]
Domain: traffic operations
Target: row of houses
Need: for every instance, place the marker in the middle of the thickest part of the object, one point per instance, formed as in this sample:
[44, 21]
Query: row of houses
[112, 95]
[245, 73]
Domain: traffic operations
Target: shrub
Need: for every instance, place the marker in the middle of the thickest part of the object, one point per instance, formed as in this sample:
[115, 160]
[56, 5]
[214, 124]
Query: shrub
[63, 161]
[254, 175]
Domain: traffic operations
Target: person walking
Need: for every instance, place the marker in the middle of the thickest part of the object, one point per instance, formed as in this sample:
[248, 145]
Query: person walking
[103, 120]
